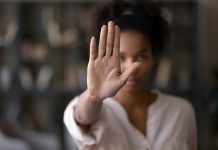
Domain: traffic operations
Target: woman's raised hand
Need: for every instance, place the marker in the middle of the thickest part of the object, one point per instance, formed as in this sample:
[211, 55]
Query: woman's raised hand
[104, 72]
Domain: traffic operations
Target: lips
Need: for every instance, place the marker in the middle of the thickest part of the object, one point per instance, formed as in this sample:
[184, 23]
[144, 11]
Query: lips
[131, 81]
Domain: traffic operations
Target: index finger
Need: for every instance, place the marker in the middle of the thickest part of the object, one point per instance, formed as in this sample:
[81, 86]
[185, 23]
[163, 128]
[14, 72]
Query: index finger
[116, 48]
[92, 52]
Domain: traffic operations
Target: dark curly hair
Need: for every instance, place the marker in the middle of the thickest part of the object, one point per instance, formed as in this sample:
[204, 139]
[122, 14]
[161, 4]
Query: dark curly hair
[142, 16]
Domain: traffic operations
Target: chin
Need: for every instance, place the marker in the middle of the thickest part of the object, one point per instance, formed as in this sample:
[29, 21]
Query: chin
[133, 87]
[130, 88]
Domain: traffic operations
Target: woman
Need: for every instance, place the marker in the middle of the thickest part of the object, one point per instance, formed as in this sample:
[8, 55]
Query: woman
[118, 111]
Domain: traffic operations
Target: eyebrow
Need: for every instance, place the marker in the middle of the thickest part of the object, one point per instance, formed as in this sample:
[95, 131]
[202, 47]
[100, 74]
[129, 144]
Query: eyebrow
[143, 51]
[139, 52]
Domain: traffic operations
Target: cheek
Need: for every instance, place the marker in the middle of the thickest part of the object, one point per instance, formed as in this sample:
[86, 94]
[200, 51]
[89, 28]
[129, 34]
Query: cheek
[144, 70]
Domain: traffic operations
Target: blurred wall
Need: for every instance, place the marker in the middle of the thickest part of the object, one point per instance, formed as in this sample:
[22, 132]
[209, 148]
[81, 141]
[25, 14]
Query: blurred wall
[208, 37]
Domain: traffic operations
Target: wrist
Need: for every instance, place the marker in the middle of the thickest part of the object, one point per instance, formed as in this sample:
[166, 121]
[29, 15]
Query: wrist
[92, 97]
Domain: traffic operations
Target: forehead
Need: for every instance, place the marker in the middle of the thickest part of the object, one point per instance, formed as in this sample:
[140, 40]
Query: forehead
[134, 42]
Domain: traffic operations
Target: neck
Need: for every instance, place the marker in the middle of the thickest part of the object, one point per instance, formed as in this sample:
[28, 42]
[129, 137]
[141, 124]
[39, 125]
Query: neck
[131, 100]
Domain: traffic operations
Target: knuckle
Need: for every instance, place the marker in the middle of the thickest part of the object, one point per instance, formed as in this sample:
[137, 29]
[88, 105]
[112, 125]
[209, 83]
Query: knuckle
[109, 44]
[116, 47]
[101, 47]
[116, 56]
[111, 32]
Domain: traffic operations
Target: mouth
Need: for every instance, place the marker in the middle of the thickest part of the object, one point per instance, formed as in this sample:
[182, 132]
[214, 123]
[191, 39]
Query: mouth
[131, 81]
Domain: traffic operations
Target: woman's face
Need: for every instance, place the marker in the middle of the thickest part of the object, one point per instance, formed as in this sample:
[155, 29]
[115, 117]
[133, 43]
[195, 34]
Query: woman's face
[135, 47]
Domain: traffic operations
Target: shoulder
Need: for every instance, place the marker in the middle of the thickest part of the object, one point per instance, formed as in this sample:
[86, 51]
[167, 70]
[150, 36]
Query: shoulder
[175, 106]
[175, 102]
[178, 114]
[175, 114]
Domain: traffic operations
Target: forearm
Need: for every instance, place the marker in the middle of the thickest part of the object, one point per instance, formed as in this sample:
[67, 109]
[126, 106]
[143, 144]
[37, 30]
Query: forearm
[87, 110]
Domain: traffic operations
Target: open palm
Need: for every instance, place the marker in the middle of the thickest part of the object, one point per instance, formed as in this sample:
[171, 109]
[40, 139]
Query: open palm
[104, 73]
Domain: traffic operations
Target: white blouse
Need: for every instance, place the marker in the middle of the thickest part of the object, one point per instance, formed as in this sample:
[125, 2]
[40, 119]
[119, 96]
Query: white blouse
[171, 125]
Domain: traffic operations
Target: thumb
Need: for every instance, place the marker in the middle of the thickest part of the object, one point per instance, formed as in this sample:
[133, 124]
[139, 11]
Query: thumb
[125, 75]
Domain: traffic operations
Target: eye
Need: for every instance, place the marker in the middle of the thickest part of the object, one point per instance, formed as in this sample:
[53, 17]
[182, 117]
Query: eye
[141, 57]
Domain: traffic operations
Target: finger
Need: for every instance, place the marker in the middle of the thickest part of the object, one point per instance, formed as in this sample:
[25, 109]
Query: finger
[127, 73]
[116, 49]
[102, 41]
[110, 38]
[115, 72]
[93, 51]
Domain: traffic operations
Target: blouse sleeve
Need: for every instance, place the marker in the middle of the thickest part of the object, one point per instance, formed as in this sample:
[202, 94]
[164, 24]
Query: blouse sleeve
[82, 138]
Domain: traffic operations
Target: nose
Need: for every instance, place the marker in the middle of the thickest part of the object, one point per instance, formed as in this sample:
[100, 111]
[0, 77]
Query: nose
[125, 64]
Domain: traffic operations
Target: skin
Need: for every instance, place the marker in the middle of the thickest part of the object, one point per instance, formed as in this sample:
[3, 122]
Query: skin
[135, 48]
[119, 69]
[134, 95]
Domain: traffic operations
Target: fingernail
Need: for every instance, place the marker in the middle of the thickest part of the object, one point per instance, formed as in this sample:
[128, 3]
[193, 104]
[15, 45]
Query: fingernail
[110, 22]
[117, 27]
[104, 26]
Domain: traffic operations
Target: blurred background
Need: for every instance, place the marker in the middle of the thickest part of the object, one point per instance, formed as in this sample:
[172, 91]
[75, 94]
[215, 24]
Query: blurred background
[43, 58]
